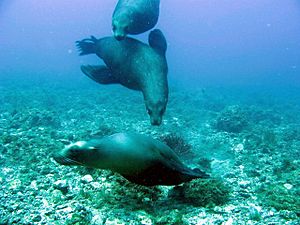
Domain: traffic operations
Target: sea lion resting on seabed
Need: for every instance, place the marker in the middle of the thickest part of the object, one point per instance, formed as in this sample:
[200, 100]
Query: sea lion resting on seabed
[133, 64]
[134, 17]
[138, 158]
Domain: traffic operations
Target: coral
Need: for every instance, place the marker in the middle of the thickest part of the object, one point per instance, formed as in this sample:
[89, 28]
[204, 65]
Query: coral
[81, 217]
[260, 115]
[177, 143]
[172, 217]
[291, 133]
[254, 213]
[209, 193]
[261, 140]
[205, 164]
[233, 120]
[102, 131]
[286, 166]
[123, 194]
[280, 198]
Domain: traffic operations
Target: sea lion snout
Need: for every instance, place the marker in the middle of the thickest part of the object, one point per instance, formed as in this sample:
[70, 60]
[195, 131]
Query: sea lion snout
[119, 31]
[61, 159]
[119, 36]
[70, 155]
[156, 112]
[155, 121]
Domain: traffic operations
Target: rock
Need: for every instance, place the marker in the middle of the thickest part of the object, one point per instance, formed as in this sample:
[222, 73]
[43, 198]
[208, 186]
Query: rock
[288, 186]
[37, 218]
[87, 179]
[62, 186]
[229, 221]
[244, 184]
[114, 221]
[33, 185]
[57, 196]
[97, 219]
[15, 184]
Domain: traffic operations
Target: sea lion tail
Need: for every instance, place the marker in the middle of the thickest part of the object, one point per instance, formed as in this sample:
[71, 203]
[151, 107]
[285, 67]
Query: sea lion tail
[87, 46]
[200, 173]
[157, 40]
[189, 174]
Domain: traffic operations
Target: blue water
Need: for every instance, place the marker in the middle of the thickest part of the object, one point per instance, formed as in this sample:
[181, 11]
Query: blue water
[210, 42]
[234, 97]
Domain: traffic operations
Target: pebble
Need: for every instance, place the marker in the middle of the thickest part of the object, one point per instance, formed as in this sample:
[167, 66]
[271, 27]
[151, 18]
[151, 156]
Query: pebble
[145, 220]
[288, 186]
[244, 183]
[97, 219]
[62, 186]
[228, 222]
[95, 185]
[33, 185]
[87, 178]
[111, 221]
[15, 184]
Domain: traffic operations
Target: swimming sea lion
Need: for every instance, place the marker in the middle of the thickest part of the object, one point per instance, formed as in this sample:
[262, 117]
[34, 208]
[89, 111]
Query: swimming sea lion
[138, 158]
[133, 64]
[134, 17]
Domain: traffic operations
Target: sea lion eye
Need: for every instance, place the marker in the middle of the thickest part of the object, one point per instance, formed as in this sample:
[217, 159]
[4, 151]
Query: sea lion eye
[149, 111]
[114, 27]
[73, 152]
[161, 111]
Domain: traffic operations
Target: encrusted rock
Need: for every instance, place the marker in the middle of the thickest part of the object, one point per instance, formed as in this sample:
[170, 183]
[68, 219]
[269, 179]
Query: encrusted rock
[87, 178]
[62, 186]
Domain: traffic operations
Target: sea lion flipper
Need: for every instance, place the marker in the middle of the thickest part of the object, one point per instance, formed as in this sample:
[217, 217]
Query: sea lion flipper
[100, 74]
[87, 46]
[200, 173]
[157, 40]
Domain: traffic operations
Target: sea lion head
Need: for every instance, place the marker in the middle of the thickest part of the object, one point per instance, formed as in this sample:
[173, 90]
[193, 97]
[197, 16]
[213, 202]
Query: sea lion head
[120, 27]
[79, 153]
[156, 110]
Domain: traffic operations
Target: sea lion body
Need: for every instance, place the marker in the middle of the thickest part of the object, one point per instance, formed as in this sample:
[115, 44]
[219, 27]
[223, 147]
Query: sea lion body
[138, 158]
[133, 64]
[134, 17]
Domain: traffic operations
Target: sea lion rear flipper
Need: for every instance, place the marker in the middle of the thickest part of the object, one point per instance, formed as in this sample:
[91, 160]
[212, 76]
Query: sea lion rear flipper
[157, 41]
[100, 74]
[200, 173]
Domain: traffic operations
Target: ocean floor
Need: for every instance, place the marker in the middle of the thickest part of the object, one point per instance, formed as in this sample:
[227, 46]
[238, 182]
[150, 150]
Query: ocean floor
[248, 141]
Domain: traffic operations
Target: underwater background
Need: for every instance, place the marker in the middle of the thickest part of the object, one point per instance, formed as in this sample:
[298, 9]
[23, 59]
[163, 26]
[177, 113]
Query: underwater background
[233, 111]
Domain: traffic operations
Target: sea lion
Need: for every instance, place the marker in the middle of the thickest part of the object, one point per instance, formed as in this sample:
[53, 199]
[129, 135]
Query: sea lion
[133, 64]
[134, 17]
[138, 158]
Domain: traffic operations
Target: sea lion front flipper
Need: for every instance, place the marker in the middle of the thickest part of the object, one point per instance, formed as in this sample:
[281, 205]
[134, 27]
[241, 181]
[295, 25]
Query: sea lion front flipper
[100, 74]
[157, 41]
[87, 46]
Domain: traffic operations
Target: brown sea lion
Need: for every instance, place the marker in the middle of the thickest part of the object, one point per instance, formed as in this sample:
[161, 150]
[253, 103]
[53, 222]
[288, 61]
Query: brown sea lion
[138, 158]
[134, 17]
[133, 64]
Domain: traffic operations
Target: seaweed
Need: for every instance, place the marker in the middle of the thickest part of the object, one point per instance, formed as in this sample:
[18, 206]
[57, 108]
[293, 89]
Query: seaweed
[232, 120]
[177, 143]
[205, 193]
[280, 198]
